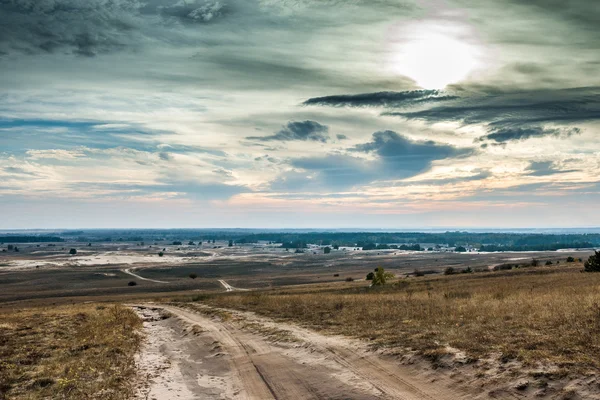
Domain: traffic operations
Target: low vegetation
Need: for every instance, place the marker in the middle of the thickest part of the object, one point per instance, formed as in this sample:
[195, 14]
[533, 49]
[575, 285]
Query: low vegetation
[533, 315]
[69, 352]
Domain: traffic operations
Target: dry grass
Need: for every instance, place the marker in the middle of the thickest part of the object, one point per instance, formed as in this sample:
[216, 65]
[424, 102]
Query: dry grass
[538, 314]
[68, 352]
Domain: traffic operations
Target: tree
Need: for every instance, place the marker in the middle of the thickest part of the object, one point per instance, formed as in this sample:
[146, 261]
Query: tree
[370, 276]
[548, 262]
[570, 259]
[593, 263]
[327, 250]
[336, 246]
[193, 275]
[460, 249]
[190, 243]
[534, 263]
[381, 277]
[230, 243]
[160, 254]
[73, 251]
[132, 283]
[449, 271]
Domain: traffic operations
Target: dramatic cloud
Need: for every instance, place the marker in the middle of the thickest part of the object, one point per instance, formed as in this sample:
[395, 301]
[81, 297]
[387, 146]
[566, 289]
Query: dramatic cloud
[545, 168]
[131, 105]
[396, 157]
[406, 156]
[516, 108]
[304, 130]
[381, 99]
[504, 135]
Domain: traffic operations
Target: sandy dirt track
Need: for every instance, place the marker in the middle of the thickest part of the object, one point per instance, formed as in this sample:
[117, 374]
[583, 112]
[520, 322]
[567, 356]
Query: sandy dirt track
[210, 358]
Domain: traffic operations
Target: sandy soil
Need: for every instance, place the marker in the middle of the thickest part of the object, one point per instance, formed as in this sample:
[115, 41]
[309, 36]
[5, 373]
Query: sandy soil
[248, 357]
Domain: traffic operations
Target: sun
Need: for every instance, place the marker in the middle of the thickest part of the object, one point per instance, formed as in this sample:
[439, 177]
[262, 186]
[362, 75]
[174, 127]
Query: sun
[434, 59]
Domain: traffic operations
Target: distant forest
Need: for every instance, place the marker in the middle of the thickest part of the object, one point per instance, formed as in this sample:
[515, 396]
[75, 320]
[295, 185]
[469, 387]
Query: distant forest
[493, 241]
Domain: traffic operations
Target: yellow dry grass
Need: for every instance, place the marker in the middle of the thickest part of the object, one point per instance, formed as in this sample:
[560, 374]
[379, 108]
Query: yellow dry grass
[68, 352]
[548, 315]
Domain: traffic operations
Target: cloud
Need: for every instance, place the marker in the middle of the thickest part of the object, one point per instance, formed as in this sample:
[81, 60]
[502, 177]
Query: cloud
[304, 130]
[516, 108]
[381, 99]
[194, 11]
[545, 168]
[406, 156]
[82, 27]
[396, 157]
[504, 135]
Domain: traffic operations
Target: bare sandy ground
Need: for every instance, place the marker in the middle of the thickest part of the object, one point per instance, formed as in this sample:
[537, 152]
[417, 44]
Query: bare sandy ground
[246, 357]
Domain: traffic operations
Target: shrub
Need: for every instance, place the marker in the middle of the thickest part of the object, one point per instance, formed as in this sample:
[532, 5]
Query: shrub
[160, 254]
[381, 277]
[418, 273]
[73, 251]
[132, 283]
[193, 275]
[570, 259]
[548, 262]
[336, 275]
[449, 271]
[370, 276]
[535, 263]
[349, 279]
[327, 250]
[467, 270]
[593, 263]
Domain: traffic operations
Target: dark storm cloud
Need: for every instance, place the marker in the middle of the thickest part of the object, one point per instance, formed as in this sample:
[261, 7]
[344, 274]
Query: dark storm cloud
[397, 157]
[504, 135]
[92, 27]
[544, 168]
[304, 130]
[380, 99]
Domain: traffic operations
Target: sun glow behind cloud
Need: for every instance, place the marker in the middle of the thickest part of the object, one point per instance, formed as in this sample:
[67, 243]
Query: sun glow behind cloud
[433, 54]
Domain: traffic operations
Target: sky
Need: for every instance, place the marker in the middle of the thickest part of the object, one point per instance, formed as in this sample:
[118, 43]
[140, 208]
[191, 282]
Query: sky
[299, 113]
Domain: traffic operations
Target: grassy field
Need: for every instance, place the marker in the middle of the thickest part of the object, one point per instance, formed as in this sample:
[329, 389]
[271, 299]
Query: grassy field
[542, 314]
[68, 352]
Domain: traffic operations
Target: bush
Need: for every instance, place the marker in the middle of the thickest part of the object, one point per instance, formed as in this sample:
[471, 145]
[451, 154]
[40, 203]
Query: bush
[548, 262]
[381, 277]
[460, 249]
[449, 271]
[570, 259]
[418, 273]
[593, 263]
[327, 250]
[370, 276]
[132, 283]
[535, 263]
[349, 279]
[335, 275]
[193, 275]
[467, 270]
[160, 254]
[73, 251]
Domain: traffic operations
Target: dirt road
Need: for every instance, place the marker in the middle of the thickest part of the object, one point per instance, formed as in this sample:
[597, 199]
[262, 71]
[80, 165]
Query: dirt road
[229, 288]
[241, 356]
[129, 271]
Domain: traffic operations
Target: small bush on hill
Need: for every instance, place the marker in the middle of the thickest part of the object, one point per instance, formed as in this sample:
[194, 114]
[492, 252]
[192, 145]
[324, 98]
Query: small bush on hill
[593, 263]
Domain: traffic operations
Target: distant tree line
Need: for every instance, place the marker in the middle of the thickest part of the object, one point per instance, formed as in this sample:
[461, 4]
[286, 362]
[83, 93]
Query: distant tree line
[539, 247]
[29, 239]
